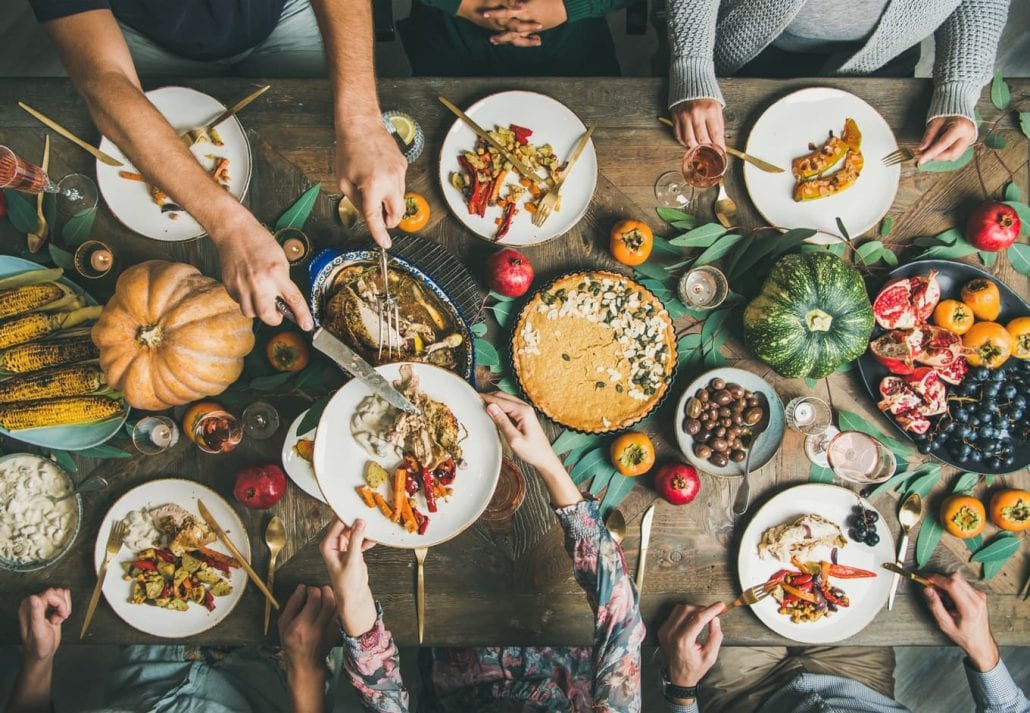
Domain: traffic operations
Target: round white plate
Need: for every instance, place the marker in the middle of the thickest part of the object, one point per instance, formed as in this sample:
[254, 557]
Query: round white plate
[130, 201]
[300, 471]
[340, 461]
[551, 123]
[771, 438]
[867, 595]
[784, 131]
[155, 620]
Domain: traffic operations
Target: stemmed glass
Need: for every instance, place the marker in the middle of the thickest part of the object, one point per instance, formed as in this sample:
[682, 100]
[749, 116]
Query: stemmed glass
[703, 167]
[78, 192]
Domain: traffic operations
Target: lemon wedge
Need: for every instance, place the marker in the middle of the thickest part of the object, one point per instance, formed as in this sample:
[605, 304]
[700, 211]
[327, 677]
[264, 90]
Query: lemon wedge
[404, 127]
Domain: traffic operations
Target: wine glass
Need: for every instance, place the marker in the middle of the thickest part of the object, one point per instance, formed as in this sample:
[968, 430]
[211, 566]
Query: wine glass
[860, 458]
[77, 193]
[217, 432]
[703, 167]
[260, 420]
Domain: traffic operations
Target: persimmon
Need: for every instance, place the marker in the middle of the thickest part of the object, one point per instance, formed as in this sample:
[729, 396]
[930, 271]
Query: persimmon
[1019, 330]
[287, 351]
[1010, 510]
[987, 344]
[632, 453]
[963, 516]
[194, 413]
[982, 296]
[416, 213]
[631, 242]
[954, 316]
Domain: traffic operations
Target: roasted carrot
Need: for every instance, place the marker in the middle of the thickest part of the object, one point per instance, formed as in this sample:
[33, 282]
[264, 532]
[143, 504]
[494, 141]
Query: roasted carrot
[383, 505]
[131, 176]
[408, 516]
[400, 477]
[367, 496]
[495, 190]
[530, 207]
[221, 169]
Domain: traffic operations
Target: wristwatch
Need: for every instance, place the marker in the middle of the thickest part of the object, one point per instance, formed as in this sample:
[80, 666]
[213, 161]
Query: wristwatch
[674, 692]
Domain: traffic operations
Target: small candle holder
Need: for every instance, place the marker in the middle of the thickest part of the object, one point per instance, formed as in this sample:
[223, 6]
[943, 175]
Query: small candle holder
[808, 415]
[703, 288]
[154, 434]
[294, 243]
[411, 140]
[93, 259]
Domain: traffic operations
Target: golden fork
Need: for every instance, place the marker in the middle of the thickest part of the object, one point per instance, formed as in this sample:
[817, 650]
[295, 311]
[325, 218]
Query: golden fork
[550, 201]
[750, 596]
[900, 156]
[114, 545]
[420, 600]
[275, 538]
[753, 160]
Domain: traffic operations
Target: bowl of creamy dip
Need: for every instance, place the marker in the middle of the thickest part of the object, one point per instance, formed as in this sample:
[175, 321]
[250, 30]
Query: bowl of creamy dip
[35, 531]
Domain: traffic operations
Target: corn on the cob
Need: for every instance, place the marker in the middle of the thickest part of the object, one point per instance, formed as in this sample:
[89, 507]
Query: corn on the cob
[25, 299]
[42, 355]
[74, 380]
[65, 411]
[29, 327]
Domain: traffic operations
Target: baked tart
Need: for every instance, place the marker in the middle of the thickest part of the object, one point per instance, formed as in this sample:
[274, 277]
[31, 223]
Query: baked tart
[594, 351]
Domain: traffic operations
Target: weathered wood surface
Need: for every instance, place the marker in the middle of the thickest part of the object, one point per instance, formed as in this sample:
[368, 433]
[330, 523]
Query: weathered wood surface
[485, 588]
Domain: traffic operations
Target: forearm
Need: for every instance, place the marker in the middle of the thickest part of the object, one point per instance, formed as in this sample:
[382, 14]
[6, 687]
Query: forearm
[692, 47]
[32, 689]
[307, 690]
[966, 44]
[372, 662]
[993, 689]
[346, 27]
[560, 488]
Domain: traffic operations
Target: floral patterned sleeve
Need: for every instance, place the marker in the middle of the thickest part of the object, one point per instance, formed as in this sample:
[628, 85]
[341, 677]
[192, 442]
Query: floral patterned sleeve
[374, 666]
[618, 629]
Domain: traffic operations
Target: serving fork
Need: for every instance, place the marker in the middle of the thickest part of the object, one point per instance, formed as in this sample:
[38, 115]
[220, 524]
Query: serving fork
[550, 201]
[388, 311]
[750, 596]
[900, 156]
[114, 546]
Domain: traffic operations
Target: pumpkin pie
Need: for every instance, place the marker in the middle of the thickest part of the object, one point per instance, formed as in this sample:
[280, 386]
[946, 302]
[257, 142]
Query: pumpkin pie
[594, 351]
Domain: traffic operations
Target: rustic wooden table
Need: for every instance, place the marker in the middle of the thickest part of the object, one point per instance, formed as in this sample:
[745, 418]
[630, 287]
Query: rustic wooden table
[517, 588]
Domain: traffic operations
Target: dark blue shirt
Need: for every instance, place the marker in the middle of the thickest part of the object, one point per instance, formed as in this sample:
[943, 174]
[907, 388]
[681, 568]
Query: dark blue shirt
[194, 29]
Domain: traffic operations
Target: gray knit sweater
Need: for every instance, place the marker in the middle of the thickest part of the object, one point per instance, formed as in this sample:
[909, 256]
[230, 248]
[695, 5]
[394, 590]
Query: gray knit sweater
[709, 38]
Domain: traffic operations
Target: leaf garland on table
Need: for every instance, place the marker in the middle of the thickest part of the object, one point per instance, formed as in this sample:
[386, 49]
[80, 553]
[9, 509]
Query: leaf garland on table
[21, 212]
[78, 228]
[886, 226]
[819, 474]
[63, 459]
[61, 257]
[930, 532]
[297, 214]
[1000, 95]
[874, 251]
[1024, 123]
[852, 422]
[944, 166]
[996, 553]
[313, 415]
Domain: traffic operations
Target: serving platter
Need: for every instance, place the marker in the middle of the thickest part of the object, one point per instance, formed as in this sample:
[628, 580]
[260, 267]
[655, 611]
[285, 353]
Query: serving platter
[66, 438]
[301, 472]
[184, 109]
[340, 461]
[784, 131]
[155, 620]
[552, 123]
[867, 595]
[951, 276]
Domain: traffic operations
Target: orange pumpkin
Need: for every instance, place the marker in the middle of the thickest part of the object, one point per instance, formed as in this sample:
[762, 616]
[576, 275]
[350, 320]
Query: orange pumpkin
[987, 344]
[170, 335]
[632, 453]
[631, 242]
[1010, 510]
[963, 516]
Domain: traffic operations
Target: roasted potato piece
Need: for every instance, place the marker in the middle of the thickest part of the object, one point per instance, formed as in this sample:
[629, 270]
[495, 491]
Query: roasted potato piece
[166, 569]
[221, 589]
[207, 575]
[190, 564]
[154, 587]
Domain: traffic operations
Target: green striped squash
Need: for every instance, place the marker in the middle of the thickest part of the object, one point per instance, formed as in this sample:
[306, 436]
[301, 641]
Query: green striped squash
[812, 316]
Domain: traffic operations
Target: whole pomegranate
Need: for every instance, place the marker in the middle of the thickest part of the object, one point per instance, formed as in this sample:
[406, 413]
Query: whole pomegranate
[260, 486]
[678, 483]
[993, 226]
[508, 272]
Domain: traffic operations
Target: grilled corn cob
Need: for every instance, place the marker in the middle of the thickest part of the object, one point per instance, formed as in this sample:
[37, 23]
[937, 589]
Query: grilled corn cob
[32, 326]
[64, 411]
[74, 380]
[42, 355]
[25, 299]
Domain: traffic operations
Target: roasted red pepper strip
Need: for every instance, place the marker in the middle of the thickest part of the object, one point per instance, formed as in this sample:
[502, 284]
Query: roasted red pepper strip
[144, 564]
[164, 554]
[777, 578]
[211, 562]
[209, 601]
[801, 580]
[427, 489]
[831, 597]
[505, 226]
[423, 526]
[843, 572]
[806, 596]
[522, 134]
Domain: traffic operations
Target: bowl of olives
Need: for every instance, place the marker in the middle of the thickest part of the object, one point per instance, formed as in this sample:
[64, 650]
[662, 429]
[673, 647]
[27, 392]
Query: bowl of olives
[714, 420]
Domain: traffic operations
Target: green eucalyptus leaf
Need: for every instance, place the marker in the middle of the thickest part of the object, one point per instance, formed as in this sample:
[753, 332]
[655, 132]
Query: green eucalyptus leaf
[502, 312]
[1001, 547]
[688, 342]
[1019, 257]
[499, 297]
[948, 252]
[297, 214]
[924, 483]
[507, 385]
[653, 270]
[819, 474]
[889, 257]
[670, 215]
[103, 451]
[713, 359]
[995, 141]
[987, 258]
[61, 257]
[312, 416]
[714, 324]
[1024, 123]
[949, 236]
[567, 440]
[843, 230]
[992, 568]
[573, 456]
[1012, 192]
[77, 228]
[944, 166]
[478, 329]
[486, 354]
[965, 483]
[702, 236]
[929, 536]
[21, 212]
[664, 247]
[811, 383]
[65, 460]
[886, 226]
[618, 489]
[973, 543]
[869, 252]
[589, 464]
[999, 91]
[723, 246]
[891, 483]
[602, 476]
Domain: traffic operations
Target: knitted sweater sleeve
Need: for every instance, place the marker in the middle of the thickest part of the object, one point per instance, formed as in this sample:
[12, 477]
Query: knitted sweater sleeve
[965, 45]
[692, 43]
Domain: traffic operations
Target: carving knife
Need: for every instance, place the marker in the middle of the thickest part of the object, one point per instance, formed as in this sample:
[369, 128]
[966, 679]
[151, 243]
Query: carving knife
[352, 363]
[645, 540]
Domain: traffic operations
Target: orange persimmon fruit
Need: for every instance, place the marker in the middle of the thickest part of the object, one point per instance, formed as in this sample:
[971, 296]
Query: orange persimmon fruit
[963, 516]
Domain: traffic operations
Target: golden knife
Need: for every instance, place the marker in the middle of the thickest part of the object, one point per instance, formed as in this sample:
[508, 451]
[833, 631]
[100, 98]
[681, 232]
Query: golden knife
[508, 156]
[753, 160]
[213, 524]
[89, 148]
[420, 557]
[645, 540]
[114, 546]
[896, 569]
[192, 136]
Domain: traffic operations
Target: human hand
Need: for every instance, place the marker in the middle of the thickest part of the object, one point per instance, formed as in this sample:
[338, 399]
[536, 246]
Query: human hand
[40, 617]
[946, 138]
[307, 630]
[687, 659]
[964, 620]
[699, 121]
[370, 169]
[518, 423]
[479, 12]
[528, 18]
[255, 271]
[342, 551]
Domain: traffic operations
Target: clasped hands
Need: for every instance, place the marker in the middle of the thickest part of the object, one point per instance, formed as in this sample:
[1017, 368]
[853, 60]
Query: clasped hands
[515, 22]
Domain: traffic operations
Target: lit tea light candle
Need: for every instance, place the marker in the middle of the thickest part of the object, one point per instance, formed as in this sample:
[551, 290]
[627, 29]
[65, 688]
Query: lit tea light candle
[161, 436]
[101, 260]
[294, 249]
[804, 414]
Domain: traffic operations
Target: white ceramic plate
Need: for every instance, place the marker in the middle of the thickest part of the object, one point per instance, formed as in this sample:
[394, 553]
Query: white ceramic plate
[552, 123]
[155, 620]
[771, 439]
[130, 201]
[300, 471]
[340, 461]
[784, 131]
[867, 595]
